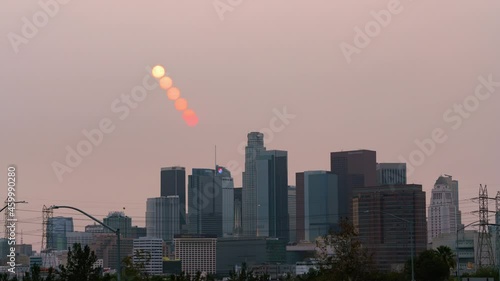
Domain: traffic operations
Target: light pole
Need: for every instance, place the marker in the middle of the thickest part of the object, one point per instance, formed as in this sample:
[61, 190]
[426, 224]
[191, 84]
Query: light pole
[15, 202]
[412, 240]
[115, 231]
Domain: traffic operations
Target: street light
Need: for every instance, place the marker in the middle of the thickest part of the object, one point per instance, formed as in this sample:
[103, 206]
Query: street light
[411, 238]
[15, 202]
[115, 231]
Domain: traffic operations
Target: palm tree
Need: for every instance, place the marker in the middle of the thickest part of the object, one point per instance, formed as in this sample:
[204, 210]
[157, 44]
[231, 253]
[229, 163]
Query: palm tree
[445, 253]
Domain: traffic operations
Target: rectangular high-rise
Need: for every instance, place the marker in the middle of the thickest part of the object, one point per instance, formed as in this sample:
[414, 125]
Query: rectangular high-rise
[237, 211]
[162, 217]
[173, 183]
[57, 227]
[354, 169]
[391, 173]
[444, 213]
[391, 221]
[211, 202]
[292, 213]
[198, 253]
[249, 192]
[272, 194]
[317, 205]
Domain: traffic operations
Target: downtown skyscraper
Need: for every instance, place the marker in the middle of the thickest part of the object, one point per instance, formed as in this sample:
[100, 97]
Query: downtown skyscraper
[211, 202]
[173, 183]
[162, 217]
[272, 194]
[444, 212]
[254, 148]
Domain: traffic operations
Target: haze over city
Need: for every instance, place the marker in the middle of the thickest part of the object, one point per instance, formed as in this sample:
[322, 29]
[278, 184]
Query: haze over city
[260, 61]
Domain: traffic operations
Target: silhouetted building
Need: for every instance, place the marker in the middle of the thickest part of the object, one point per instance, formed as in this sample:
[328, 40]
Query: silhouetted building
[173, 182]
[354, 169]
[391, 173]
[249, 209]
[292, 214]
[318, 204]
[389, 219]
[272, 194]
[238, 201]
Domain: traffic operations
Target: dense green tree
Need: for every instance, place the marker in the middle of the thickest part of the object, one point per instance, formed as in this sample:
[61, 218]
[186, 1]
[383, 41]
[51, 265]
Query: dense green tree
[80, 265]
[349, 261]
[447, 256]
[429, 266]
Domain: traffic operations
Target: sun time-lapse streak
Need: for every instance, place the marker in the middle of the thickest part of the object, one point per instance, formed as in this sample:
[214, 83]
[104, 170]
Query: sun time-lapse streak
[173, 93]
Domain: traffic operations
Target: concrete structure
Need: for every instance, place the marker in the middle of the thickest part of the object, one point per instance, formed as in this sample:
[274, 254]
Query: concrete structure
[173, 183]
[318, 206]
[119, 220]
[292, 213]
[249, 208]
[272, 194]
[196, 252]
[57, 227]
[354, 169]
[444, 213]
[391, 173]
[82, 238]
[464, 249]
[225, 181]
[162, 217]
[391, 221]
[238, 202]
[148, 252]
[105, 247]
[233, 252]
[94, 228]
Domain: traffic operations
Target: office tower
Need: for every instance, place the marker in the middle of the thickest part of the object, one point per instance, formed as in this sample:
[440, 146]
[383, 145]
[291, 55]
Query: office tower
[292, 213]
[148, 252]
[237, 211]
[354, 169]
[94, 228]
[78, 237]
[162, 217]
[391, 173]
[225, 181]
[118, 220]
[249, 209]
[211, 202]
[56, 232]
[390, 222]
[317, 204]
[444, 215]
[138, 232]
[105, 247]
[196, 252]
[173, 182]
[272, 194]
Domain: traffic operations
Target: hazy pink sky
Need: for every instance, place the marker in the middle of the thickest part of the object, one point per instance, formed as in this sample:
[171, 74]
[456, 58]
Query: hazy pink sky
[234, 72]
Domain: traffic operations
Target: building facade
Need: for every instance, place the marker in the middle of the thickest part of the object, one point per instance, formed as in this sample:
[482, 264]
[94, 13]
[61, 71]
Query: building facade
[444, 213]
[148, 253]
[225, 181]
[162, 217]
[118, 220]
[390, 222]
[238, 225]
[57, 227]
[173, 183]
[354, 169]
[197, 253]
[391, 173]
[249, 192]
[272, 194]
[292, 213]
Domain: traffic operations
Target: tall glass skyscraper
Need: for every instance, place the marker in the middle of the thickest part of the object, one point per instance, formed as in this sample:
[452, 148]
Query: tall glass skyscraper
[56, 231]
[211, 202]
[162, 217]
[173, 183]
[249, 192]
[272, 194]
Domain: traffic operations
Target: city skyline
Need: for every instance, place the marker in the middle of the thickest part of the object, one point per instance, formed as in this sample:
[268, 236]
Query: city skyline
[241, 74]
